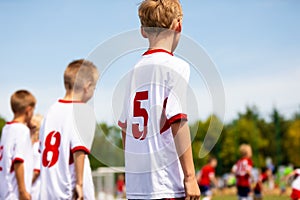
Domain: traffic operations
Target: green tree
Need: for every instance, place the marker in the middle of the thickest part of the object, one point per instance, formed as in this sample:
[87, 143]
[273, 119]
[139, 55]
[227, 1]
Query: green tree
[2, 123]
[245, 129]
[205, 135]
[292, 143]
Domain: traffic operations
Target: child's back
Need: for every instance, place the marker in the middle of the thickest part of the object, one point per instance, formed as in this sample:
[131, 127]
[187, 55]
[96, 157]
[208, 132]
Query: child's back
[60, 139]
[15, 146]
[152, 163]
[66, 137]
[16, 152]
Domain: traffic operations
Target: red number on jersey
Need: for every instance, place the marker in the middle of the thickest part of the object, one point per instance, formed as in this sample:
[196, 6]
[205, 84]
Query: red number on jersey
[53, 148]
[1, 155]
[140, 112]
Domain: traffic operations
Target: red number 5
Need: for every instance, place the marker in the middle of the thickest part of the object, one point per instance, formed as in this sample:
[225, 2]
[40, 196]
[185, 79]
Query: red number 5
[140, 112]
[51, 148]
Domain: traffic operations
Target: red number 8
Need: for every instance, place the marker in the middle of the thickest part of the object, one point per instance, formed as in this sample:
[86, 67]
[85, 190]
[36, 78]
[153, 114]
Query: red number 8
[1, 155]
[51, 148]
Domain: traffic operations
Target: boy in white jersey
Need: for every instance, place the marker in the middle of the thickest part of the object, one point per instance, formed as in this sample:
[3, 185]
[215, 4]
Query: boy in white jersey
[66, 137]
[16, 154]
[156, 137]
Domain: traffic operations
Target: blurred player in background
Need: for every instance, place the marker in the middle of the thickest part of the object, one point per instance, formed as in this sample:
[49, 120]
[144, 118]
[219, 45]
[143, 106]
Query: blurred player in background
[242, 170]
[207, 177]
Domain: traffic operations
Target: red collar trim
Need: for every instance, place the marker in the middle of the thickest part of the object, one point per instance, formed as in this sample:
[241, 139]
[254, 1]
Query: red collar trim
[157, 51]
[12, 122]
[68, 101]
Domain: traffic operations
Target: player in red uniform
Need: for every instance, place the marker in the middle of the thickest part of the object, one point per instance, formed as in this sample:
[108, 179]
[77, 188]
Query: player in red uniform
[206, 176]
[242, 169]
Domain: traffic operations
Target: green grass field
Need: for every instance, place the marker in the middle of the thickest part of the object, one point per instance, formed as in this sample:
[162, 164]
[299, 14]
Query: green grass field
[233, 197]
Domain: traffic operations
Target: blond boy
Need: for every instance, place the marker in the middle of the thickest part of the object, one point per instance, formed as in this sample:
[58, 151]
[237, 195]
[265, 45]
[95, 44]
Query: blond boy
[66, 137]
[156, 137]
[16, 154]
[242, 170]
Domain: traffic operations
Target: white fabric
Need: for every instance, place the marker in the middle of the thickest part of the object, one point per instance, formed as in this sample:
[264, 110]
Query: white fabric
[35, 189]
[75, 123]
[296, 182]
[152, 166]
[15, 144]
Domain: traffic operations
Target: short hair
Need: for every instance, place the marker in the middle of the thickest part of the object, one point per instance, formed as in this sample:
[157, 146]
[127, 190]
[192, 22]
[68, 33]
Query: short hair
[78, 72]
[159, 13]
[211, 158]
[20, 100]
[245, 149]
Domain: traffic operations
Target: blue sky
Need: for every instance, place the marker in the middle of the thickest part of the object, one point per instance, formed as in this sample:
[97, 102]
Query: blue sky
[254, 44]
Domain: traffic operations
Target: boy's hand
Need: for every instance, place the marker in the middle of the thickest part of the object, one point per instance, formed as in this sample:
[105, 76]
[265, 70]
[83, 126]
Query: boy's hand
[78, 192]
[24, 195]
[192, 191]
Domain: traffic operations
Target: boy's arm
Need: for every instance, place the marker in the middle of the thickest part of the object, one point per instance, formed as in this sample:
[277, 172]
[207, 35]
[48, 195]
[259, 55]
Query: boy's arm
[213, 179]
[182, 139]
[79, 157]
[123, 137]
[19, 173]
[36, 174]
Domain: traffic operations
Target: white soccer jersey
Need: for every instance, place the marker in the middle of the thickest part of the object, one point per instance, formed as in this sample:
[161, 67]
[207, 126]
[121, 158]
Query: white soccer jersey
[296, 182]
[156, 98]
[15, 146]
[35, 189]
[69, 126]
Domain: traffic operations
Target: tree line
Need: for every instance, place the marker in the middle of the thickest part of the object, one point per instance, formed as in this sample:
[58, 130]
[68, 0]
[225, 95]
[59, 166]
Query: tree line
[277, 138]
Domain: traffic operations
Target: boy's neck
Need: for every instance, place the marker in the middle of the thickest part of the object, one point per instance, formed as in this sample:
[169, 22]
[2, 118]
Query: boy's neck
[19, 118]
[70, 96]
[164, 41]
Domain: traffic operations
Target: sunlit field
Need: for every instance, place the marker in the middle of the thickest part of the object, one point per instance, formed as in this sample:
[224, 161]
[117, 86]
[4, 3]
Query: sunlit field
[266, 197]
[229, 194]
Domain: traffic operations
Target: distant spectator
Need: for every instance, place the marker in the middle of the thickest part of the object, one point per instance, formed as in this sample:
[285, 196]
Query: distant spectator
[120, 186]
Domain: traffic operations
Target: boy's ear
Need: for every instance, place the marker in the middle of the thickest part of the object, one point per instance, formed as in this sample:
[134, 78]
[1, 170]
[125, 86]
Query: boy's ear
[178, 27]
[143, 32]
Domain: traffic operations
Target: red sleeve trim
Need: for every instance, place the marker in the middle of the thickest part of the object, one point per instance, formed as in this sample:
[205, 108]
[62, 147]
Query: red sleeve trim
[80, 148]
[14, 161]
[69, 101]
[178, 117]
[12, 122]
[37, 170]
[122, 125]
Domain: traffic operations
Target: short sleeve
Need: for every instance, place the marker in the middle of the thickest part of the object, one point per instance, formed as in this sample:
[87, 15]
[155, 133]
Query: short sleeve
[36, 157]
[234, 168]
[176, 108]
[211, 173]
[250, 164]
[84, 126]
[122, 122]
[20, 147]
[122, 102]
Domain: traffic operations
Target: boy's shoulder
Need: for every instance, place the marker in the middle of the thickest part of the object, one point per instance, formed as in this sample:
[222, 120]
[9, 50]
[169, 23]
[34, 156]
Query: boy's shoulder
[13, 126]
[163, 59]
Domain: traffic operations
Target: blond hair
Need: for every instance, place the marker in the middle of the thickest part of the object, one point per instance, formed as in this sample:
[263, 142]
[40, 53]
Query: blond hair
[245, 150]
[159, 13]
[20, 100]
[78, 72]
